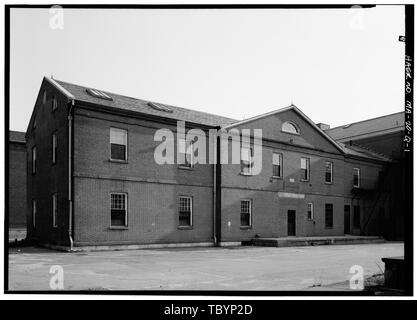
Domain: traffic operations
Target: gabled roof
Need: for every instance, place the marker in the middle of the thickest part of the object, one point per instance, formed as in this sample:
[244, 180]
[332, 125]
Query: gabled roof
[299, 112]
[143, 106]
[368, 128]
[17, 136]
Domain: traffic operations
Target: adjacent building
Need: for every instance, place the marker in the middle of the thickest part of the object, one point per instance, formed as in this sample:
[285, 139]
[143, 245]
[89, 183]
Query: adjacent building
[93, 179]
[17, 186]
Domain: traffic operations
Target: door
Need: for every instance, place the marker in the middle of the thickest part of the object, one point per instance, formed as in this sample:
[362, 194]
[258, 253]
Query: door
[291, 222]
[347, 219]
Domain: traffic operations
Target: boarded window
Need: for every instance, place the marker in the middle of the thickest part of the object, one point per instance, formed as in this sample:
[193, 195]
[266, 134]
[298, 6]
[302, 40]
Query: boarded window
[118, 144]
[277, 165]
[329, 215]
[328, 176]
[118, 209]
[357, 216]
[305, 169]
[185, 211]
[245, 213]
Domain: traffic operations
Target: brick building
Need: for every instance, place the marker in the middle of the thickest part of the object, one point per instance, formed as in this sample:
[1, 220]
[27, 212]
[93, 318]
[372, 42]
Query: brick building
[93, 179]
[17, 186]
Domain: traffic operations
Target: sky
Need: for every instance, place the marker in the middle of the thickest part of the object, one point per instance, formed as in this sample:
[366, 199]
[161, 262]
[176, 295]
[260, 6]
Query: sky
[337, 65]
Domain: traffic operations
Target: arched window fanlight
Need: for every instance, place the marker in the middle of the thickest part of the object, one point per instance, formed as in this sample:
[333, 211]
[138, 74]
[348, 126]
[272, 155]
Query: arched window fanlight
[290, 127]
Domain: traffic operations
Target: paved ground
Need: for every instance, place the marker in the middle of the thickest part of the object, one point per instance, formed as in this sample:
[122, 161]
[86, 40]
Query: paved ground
[241, 268]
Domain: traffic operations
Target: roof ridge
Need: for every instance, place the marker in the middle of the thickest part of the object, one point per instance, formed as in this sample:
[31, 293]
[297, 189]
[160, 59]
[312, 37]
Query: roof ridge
[146, 101]
[349, 124]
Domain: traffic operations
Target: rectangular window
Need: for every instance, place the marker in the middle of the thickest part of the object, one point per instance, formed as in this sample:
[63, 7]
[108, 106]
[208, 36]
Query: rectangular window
[118, 144]
[356, 177]
[54, 146]
[118, 210]
[33, 213]
[245, 213]
[305, 169]
[186, 153]
[54, 104]
[185, 211]
[328, 177]
[54, 211]
[310, 211]
[246, 160]
[357, 216]
[329, 215]
[277, 165]
[34, 160]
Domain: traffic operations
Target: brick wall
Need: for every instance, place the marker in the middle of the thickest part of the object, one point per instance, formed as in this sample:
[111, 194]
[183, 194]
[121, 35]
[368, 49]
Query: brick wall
[17, 185]
[49, 178]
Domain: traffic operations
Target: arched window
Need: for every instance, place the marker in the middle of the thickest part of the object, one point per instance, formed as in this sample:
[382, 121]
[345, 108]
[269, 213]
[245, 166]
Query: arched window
[290, 128]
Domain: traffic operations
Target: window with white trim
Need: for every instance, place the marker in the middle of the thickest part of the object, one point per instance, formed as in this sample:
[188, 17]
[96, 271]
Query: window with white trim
[245, 213]
[34, 160]
[328, 175]
[246, 160]
[305, 169]
[54, 103]
[277, 165]
[186, 153]
[34, 213]
[54, 210]
[54, 147]
[118, 209]
[310, 211]
[290, 127]
[185, 211]
[118, 144]
[356, 177]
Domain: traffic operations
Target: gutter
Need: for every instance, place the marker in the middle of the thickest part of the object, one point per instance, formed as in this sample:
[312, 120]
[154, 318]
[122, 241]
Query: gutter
[215, 240]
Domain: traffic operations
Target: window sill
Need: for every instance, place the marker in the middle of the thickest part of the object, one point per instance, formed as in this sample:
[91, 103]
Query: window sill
[330, 183]
[245, 227]
[328, 227]
[118, 161]
[276, 177]
[185, 168]
[245, 174]
[118, 228]
[302, 180]
[185, 227]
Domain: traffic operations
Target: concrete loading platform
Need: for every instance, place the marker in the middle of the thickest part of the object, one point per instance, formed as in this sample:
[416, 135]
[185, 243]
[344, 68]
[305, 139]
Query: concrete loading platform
[313, 241]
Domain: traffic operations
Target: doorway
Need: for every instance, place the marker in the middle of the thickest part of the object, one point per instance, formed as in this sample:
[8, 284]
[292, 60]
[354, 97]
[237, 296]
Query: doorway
[347, 219]
[291, 222]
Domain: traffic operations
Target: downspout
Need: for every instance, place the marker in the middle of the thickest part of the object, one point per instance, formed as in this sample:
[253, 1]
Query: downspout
[215, 189]
[70, 175]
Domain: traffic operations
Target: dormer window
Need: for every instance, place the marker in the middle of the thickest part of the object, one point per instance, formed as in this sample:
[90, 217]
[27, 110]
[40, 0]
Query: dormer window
[290, 127]
[99, 94]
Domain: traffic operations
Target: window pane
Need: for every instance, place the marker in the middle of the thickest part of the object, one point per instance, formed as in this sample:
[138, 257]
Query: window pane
[245, 212]
[118, 151]
[118, 217]
[118, 136]
[184, 211]
[289, 127]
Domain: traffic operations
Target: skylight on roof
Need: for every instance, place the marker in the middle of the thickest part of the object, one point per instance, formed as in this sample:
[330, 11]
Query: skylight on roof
[98, 94]
[159, 107]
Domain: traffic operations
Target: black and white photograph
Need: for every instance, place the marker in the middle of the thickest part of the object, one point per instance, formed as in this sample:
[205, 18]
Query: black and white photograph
[210, 150]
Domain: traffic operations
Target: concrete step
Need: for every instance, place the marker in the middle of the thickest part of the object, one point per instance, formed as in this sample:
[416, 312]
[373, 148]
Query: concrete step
[315, 241]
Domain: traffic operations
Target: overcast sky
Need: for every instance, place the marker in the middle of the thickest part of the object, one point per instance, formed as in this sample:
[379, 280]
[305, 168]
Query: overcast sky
[338, 66]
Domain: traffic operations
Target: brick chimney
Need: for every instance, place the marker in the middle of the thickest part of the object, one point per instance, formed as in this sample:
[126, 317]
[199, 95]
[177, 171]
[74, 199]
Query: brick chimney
[323, 126]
